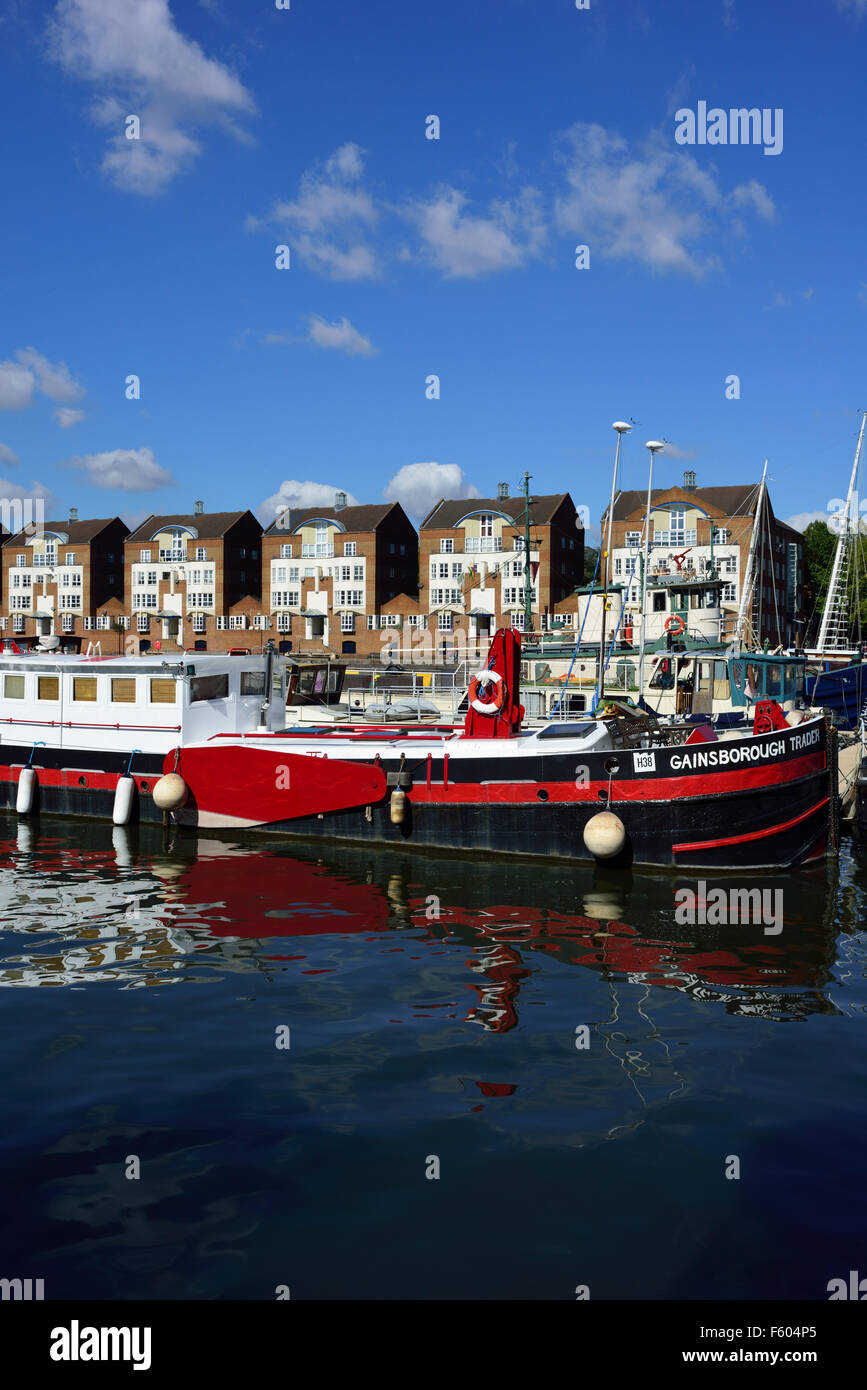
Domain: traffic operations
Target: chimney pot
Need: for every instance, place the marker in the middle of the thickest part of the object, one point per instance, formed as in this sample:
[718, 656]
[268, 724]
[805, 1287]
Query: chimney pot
[73, 513]
[689, 480]
[502, 491]
[339, 501]
[200, 508]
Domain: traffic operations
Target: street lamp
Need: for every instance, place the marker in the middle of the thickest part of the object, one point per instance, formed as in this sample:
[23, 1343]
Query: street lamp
[621, 428]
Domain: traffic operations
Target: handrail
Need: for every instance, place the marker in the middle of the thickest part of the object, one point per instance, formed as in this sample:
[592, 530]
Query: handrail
[72, 724]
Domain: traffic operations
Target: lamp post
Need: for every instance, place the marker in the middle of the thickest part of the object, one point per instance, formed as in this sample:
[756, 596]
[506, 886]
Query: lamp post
[621, 427]
[654, 446]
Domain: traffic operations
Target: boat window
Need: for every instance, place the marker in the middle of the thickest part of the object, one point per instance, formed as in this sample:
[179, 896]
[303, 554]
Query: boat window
[305, 683]
[209, 688]
[794, 680]
[13, 687]
[773, 679]
[319, 683]
[162, 690]
[49, 687]
[252, 682]
[84, 687]
[659, 601]
[123, 690]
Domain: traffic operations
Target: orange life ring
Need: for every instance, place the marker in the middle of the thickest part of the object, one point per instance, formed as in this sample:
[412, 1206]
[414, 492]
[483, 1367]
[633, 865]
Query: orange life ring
[494, 705]
[675, 624]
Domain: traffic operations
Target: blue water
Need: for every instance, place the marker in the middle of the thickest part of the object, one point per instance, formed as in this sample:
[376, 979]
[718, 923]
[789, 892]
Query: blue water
[431, 1007]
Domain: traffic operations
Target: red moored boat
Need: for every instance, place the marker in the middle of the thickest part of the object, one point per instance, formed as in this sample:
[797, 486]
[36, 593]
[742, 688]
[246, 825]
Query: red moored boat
[623, 788]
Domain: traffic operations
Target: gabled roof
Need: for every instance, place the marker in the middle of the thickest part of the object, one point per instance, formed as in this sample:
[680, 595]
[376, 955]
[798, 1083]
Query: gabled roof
[738, 499]
[79, 532]
[448, 514]
[206, 524]
[365, 517]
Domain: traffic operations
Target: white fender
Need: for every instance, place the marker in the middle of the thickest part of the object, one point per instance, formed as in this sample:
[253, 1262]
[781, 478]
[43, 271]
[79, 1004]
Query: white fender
[26, 794]
[124, 793]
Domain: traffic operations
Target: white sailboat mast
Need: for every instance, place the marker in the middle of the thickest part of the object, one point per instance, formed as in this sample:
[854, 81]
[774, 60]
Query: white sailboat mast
[832, 633]
[749, 577]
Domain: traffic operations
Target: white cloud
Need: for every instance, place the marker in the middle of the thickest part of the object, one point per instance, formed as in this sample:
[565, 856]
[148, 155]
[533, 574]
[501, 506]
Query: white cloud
[463, 245]
[340, 335]
[859, 6]
[32, 372]
[55, 379]
[140, 64]
[131, 470]
[328, 224]
[655, 206]
[15, 492]
[728, 14]
[671, 451]
[66, 417]
[801, 520]
[756, 196]
[292, 493]
[17, 385]
[417, 486]
[7, 455]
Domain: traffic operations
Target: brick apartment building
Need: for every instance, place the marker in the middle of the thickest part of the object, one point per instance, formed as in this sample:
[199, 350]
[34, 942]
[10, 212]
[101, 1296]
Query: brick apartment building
[328, 574]
[64, 580]
[472, 564]
[686, 520]
[195, 581]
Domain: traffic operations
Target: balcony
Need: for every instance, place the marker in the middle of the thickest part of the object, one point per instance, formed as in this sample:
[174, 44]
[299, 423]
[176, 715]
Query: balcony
[317, 552]
[483, 545]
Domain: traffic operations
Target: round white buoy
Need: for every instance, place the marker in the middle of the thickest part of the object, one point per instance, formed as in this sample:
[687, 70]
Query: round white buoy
[397, 807]
[170, 792]
[604, 835]
[123, 800]
[26, 793]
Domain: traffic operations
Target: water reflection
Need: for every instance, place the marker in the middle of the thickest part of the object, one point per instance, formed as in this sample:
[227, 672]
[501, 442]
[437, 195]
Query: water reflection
[131, 906]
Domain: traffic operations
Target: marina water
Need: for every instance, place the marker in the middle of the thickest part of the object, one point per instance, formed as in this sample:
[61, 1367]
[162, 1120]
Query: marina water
[245, 1070]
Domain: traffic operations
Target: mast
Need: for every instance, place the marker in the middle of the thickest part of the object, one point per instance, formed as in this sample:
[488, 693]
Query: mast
[749, 576]
[528, 578]
[622, 428]
[832, 633]
[654, 447]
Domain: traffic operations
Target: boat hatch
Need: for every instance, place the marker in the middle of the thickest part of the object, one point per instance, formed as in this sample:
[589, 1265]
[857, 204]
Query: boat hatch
[567, 730]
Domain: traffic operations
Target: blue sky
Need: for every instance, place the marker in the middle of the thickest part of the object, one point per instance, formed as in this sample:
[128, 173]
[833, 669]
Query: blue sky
[412, 257]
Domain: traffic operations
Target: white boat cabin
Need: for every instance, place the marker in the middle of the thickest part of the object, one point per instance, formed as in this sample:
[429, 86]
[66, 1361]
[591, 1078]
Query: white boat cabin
[148, 703]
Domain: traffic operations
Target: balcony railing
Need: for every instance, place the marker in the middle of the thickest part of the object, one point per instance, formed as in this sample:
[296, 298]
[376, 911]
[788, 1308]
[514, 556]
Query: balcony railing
[484, 545]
